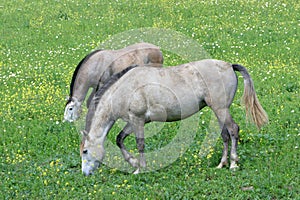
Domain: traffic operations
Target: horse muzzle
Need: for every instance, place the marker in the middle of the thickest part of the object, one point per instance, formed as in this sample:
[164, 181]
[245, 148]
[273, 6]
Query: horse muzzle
[89, 169]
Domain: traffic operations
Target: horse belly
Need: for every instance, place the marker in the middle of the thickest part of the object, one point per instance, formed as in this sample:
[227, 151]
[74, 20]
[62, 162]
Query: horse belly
[162, 96]
[173, 110]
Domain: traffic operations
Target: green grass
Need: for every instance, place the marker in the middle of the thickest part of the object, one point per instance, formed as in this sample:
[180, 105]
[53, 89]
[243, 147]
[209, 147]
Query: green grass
[41, 43]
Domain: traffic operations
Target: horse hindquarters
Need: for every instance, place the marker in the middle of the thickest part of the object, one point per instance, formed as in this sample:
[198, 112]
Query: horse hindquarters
[229, 127]
[221, 94]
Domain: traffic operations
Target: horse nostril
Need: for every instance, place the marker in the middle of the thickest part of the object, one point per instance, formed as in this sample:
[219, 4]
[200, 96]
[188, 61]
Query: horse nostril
[70, 109]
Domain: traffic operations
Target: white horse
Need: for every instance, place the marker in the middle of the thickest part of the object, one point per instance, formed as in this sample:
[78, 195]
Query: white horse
[140, 95]
[98, 66]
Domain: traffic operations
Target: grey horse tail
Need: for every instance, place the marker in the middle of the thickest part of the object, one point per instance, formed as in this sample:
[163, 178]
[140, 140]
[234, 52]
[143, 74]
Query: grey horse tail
[250, 100]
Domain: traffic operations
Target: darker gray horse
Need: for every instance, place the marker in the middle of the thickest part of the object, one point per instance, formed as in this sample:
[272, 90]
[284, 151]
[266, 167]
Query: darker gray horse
[97, 67]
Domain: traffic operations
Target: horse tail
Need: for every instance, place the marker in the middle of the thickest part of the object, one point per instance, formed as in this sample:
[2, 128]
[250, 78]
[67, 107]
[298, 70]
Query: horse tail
[250, 100]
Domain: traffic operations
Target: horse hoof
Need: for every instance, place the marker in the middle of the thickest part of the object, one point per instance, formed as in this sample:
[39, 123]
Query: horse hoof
[221, 165]
[234, 167]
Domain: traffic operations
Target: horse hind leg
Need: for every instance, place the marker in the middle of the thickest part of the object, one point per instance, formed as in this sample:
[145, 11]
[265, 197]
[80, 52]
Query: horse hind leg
[234, 135]
[229, 129]
[127, 130]
[225, 137]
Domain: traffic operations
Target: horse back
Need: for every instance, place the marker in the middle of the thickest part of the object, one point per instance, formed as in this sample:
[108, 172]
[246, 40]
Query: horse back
[178, 91]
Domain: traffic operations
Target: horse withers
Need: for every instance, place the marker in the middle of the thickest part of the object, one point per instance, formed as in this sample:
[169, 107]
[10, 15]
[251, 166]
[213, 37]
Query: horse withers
[97, 67]
[143, 94]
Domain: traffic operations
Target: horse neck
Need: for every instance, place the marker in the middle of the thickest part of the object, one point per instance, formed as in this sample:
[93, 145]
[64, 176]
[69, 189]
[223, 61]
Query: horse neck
[89, 75]
[80, 91]
[101, 123]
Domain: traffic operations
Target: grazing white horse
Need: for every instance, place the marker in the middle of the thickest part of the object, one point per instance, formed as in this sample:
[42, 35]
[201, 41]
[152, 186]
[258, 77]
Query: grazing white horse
[139, 95]
[97, 67]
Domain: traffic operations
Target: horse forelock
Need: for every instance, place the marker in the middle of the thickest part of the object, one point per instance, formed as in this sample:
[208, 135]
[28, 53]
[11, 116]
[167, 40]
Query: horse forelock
[84, 60]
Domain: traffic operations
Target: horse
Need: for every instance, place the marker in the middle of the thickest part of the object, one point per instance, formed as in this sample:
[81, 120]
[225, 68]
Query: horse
[98, 66]
[141, 94]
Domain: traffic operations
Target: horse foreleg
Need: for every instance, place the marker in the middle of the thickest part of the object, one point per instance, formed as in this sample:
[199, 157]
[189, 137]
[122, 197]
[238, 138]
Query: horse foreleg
[142, 163]
[140, 140]
[127, 130]
[141, 145]
[88, 102]
[225, 137]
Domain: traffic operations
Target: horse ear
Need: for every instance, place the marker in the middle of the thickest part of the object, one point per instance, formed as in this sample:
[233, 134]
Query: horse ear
[81, 147]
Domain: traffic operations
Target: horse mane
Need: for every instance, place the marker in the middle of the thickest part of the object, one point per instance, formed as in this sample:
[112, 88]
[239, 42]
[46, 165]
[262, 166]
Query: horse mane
[114, 78]
[77, 70]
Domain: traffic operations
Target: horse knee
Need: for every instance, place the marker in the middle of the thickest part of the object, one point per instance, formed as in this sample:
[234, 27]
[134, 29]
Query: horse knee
[140, 144]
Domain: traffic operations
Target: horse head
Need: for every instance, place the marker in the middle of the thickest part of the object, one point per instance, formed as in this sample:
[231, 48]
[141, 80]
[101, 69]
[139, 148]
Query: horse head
[92, 154]
[72, 110]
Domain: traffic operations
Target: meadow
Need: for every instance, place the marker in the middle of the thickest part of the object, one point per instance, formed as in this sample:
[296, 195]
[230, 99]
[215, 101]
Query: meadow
[43, 41]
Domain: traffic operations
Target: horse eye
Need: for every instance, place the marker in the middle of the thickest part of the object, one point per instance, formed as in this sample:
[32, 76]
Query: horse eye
[71, 108]
[85, 151]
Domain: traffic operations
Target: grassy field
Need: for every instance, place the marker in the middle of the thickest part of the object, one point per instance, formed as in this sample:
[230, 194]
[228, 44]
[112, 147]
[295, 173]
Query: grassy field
[41, 43]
